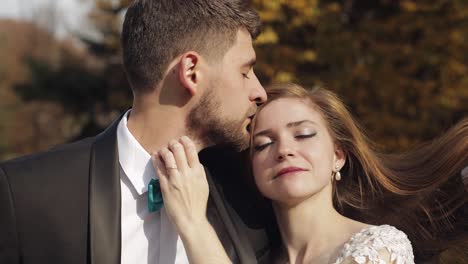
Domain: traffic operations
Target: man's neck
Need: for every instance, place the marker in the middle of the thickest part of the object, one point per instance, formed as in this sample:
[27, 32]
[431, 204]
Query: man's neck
[154, 128]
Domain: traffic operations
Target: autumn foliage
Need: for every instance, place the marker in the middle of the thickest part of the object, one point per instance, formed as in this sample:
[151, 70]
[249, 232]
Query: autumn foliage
[401, 66]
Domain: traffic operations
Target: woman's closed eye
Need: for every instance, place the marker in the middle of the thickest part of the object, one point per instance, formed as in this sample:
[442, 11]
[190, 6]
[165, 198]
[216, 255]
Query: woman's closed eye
[306, 135]
[262, 145]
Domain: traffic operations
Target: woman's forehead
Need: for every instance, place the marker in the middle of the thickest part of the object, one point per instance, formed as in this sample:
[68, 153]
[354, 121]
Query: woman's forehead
[285, 110]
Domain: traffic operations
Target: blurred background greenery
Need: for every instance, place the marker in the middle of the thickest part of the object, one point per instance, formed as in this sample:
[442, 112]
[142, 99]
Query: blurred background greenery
[401, 67]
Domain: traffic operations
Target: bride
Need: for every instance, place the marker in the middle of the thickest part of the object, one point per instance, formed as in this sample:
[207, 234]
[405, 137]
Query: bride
[335, 199]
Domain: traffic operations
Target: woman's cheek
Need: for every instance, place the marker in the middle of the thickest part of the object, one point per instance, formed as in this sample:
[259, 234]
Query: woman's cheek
[261, 170]
[260, 180]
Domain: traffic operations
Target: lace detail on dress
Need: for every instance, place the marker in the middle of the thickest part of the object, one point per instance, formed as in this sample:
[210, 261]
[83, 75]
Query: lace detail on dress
[370, 244]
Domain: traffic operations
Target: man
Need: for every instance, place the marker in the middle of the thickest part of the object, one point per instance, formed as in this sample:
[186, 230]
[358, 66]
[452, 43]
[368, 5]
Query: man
[190, 67]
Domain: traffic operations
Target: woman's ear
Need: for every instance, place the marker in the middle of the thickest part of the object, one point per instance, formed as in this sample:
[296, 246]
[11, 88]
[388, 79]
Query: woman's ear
[189, 71]
[340, 158]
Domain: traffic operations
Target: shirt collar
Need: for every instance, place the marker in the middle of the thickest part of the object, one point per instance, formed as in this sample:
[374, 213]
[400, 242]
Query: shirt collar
[133, 158]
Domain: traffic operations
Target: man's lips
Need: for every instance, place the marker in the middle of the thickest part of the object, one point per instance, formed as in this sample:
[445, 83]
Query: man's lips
[288, 170]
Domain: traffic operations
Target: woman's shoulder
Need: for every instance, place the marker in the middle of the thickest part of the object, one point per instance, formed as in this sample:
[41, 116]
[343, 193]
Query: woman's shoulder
[377, 244]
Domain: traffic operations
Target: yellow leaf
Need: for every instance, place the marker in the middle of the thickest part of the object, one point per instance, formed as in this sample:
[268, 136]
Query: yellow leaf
[284, 77]
[309, 55]
[334, 7]
[268, 36]
[409, 6]
[457, 37]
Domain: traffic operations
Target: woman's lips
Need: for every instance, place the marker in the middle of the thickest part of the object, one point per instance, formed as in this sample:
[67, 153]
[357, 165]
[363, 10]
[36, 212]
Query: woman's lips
[288, 170]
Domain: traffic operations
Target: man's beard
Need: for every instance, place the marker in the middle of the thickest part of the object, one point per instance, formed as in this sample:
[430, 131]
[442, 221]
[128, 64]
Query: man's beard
[205, 124]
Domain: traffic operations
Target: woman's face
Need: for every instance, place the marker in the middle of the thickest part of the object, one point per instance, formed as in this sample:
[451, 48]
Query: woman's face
[293, 153]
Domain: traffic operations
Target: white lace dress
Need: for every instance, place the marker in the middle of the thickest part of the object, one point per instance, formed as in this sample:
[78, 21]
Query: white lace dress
[377, 245]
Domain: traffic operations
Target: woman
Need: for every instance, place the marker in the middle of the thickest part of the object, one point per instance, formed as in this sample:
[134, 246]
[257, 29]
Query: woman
[335, 199]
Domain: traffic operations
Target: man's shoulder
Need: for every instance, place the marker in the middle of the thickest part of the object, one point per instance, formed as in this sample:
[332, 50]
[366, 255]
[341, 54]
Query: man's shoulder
[59, 155]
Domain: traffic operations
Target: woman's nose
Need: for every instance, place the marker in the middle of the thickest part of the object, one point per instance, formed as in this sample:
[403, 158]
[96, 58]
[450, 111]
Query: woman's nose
[284, 151]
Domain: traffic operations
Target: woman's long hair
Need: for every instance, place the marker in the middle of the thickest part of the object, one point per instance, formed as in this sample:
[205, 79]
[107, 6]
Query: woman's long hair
[421, 191]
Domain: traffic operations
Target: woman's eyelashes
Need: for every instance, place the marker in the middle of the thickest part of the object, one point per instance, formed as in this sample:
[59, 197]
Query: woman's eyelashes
[306, 135]
[263, 145]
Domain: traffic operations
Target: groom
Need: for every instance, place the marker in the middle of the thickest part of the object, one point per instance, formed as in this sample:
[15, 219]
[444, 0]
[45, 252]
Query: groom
[190, 68]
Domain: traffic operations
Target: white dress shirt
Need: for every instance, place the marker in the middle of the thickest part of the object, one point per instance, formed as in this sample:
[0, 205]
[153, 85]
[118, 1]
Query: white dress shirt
[146, 237]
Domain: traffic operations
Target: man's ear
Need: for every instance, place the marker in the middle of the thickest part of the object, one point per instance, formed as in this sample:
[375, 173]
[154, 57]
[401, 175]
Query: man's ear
[340, 157]
[189, 71]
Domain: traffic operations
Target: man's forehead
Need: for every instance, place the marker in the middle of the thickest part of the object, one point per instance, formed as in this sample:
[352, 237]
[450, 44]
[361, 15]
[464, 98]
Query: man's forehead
[243, 38]
[243, 48]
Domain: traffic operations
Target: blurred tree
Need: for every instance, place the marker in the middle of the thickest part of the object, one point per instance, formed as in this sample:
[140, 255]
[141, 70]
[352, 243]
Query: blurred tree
[3, 141]
[92, 89]
[27, 127]
[400, 65]
[106, 19]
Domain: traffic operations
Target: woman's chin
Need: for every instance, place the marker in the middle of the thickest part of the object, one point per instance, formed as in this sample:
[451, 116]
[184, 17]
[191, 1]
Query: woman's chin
[294, 193]
[290, 196]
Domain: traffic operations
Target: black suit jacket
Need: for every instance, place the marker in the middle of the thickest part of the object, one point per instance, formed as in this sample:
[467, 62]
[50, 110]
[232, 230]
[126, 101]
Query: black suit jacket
[63, 206]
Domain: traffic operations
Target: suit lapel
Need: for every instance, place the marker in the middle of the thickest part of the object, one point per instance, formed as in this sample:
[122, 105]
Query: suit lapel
[105, 205]
[104, 199]
[245, 253]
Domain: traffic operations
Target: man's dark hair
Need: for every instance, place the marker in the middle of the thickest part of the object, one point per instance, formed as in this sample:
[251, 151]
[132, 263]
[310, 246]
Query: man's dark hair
[156, 31]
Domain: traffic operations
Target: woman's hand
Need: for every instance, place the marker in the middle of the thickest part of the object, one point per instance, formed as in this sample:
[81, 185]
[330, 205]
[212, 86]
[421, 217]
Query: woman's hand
[183, 184]
[185, 192]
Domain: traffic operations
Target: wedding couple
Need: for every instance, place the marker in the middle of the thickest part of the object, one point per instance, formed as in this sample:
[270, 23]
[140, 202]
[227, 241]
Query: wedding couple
[190, 68]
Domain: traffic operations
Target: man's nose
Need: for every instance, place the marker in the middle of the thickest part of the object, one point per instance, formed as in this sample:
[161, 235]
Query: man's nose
[258, 92]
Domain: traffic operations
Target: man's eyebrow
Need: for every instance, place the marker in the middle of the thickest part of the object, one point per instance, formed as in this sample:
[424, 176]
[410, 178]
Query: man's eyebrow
[250, 63]
[291, 124]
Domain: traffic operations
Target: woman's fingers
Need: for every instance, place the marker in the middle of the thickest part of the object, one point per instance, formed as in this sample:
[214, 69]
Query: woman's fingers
[169, 162]
[179, 159]
[190, 151]
[161, 171]
[183, 182]
[179, 155]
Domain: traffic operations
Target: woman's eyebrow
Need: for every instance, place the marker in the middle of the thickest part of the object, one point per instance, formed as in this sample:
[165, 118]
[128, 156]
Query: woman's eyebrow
[291, 124]
[262, 133]
[298, 123]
